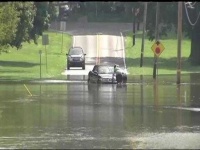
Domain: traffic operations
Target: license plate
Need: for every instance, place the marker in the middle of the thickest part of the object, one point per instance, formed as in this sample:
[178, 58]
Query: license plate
[76, 59]
[106, 80]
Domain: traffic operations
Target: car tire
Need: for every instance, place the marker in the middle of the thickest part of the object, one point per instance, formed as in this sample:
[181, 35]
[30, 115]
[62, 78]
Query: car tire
[68, 67]
[119, 78]
[98, 81]
[83, 67]
[125, 79]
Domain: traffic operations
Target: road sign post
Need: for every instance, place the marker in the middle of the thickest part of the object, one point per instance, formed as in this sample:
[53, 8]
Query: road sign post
[156, 38]
[157, 48]
[40, 52]
[45, 41]
[62, 28]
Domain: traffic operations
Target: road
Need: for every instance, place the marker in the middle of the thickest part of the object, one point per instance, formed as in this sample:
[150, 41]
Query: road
[99, 49]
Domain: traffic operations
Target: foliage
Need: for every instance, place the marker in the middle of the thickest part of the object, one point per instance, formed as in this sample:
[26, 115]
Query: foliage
[24, 21]
[8, 25]
[45, 13]
[53, 12]
[167, 19]
[27, 13]
[112, 11]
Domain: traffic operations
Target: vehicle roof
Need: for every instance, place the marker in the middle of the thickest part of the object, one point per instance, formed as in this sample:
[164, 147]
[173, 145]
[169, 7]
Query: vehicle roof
[76, 47]
[108, 65]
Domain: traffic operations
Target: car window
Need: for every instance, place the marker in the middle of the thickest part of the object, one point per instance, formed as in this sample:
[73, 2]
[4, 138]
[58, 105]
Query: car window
[111, 69]
[105, 70]
[75, 51]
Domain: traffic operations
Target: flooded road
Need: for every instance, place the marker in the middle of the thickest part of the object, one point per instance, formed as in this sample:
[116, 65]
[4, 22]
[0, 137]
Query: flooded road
[136, 115]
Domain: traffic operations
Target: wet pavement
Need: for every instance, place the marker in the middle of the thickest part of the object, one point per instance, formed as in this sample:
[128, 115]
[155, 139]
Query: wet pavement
[74, 114]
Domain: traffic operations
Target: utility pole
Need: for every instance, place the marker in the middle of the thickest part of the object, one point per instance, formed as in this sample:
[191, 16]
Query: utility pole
[156, 39]
[96, 8]
[143, 36]
[179, 42]
[133, 10]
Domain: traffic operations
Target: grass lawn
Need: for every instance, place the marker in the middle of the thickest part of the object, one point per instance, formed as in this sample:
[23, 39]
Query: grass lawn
[167, 61]
[24, 64]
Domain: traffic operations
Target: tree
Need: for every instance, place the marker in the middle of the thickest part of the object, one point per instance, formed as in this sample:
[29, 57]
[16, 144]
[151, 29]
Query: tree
[42, 19]
[34, 19]
[27, 12]
[193, 19]
[8, 25]
[53, 11]
[168, 20]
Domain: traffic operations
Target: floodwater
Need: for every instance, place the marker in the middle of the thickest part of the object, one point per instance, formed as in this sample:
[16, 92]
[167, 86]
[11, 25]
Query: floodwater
[136, 115]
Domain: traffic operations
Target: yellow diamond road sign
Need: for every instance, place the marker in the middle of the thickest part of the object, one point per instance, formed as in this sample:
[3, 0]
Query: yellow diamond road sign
[157, 48]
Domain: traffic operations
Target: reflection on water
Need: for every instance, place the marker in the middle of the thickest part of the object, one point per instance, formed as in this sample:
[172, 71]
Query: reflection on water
[81, 115]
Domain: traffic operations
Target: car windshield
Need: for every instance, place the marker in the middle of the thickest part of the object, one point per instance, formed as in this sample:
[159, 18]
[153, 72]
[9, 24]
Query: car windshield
[76, 51]
[105, 70]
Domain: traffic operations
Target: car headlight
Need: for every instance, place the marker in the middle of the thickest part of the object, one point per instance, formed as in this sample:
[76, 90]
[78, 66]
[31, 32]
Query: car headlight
[81, 59]
[70, 58]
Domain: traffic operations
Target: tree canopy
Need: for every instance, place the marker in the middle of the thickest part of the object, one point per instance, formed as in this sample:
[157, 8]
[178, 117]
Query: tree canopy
[24, 21]
[8, 24]
[168, 18]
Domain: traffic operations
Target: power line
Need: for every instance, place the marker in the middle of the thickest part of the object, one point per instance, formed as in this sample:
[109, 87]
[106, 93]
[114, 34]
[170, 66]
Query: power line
[191, 6]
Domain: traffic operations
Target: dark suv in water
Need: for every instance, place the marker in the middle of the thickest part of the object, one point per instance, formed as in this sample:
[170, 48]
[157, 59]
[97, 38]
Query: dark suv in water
[75, 57]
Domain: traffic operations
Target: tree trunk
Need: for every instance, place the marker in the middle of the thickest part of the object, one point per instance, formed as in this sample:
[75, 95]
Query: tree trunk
[195, 45]
[138, 26]
[194, 90]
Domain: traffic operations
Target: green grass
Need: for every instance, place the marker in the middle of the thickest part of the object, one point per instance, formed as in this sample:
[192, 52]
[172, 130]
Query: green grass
[166, 62]
[25, 63]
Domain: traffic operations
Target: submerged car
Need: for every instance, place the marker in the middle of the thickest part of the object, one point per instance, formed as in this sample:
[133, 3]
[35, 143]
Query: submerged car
[75, 58]
[104, 74]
